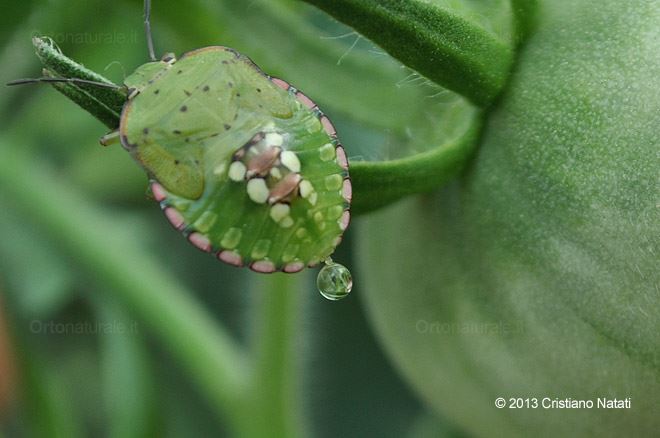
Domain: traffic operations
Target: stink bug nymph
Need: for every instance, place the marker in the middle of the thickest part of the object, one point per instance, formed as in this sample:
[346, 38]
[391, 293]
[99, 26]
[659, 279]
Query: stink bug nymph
[243, 164]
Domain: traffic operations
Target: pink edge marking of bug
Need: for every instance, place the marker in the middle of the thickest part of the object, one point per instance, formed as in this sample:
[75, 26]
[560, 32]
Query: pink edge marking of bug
[347, 190]
[158, 191]
[175, 218]
[280, 83]
[337, 241]
[294, 267]
[200, 241]
[328, 126]
[231, 258]
[263, 266]
[345, 220]
[309, 103]
[341, 157]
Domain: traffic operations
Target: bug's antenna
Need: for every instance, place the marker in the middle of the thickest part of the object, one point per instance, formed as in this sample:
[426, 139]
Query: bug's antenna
[63, 80]
[147, 29]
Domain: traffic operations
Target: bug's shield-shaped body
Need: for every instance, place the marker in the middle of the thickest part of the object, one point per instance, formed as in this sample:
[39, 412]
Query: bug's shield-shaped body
[244, 165]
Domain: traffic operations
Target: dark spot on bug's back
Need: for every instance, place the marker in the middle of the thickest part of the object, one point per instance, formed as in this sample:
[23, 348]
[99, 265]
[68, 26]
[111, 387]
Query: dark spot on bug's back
[146, 131]
[261, 106]
[196, 161]
[176, 162]
[184, 109]
[227, 127]
[258, 90]
[156, 91]
[187, 140]
[176, 131]
[150, 81]
[231, 84]
[206, 88]
[238, 94]
[187, 93]
[215, 135]
[179, 72]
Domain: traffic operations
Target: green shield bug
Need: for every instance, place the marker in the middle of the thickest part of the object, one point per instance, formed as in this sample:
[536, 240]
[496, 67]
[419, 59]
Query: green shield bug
[243, 164]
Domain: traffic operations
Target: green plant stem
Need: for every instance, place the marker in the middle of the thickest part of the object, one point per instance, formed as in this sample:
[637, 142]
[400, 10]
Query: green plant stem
[444, 47]
[378, 183]
[95, 244]
[273, 391]
[524, 14]
[126, 372]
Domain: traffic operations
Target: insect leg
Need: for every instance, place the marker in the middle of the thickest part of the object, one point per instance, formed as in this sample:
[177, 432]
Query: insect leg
[110, 138]
[64, 80]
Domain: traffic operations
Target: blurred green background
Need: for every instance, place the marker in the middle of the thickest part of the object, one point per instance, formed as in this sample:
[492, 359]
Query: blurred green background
[79, 358]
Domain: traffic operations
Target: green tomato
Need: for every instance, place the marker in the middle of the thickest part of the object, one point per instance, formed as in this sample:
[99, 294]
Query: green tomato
[536, 275]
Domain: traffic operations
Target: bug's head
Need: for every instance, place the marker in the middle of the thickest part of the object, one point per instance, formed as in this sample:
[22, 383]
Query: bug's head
[146, 73]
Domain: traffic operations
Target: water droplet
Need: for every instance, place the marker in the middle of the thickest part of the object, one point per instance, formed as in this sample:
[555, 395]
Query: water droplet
[334, 281]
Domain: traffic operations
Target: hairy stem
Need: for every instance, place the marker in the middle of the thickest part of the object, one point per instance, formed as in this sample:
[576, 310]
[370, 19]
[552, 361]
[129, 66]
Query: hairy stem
[378, 183]
[273, 392]
[442, 46]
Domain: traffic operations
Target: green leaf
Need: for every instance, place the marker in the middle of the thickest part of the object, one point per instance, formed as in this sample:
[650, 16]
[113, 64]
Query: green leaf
[536, 275]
